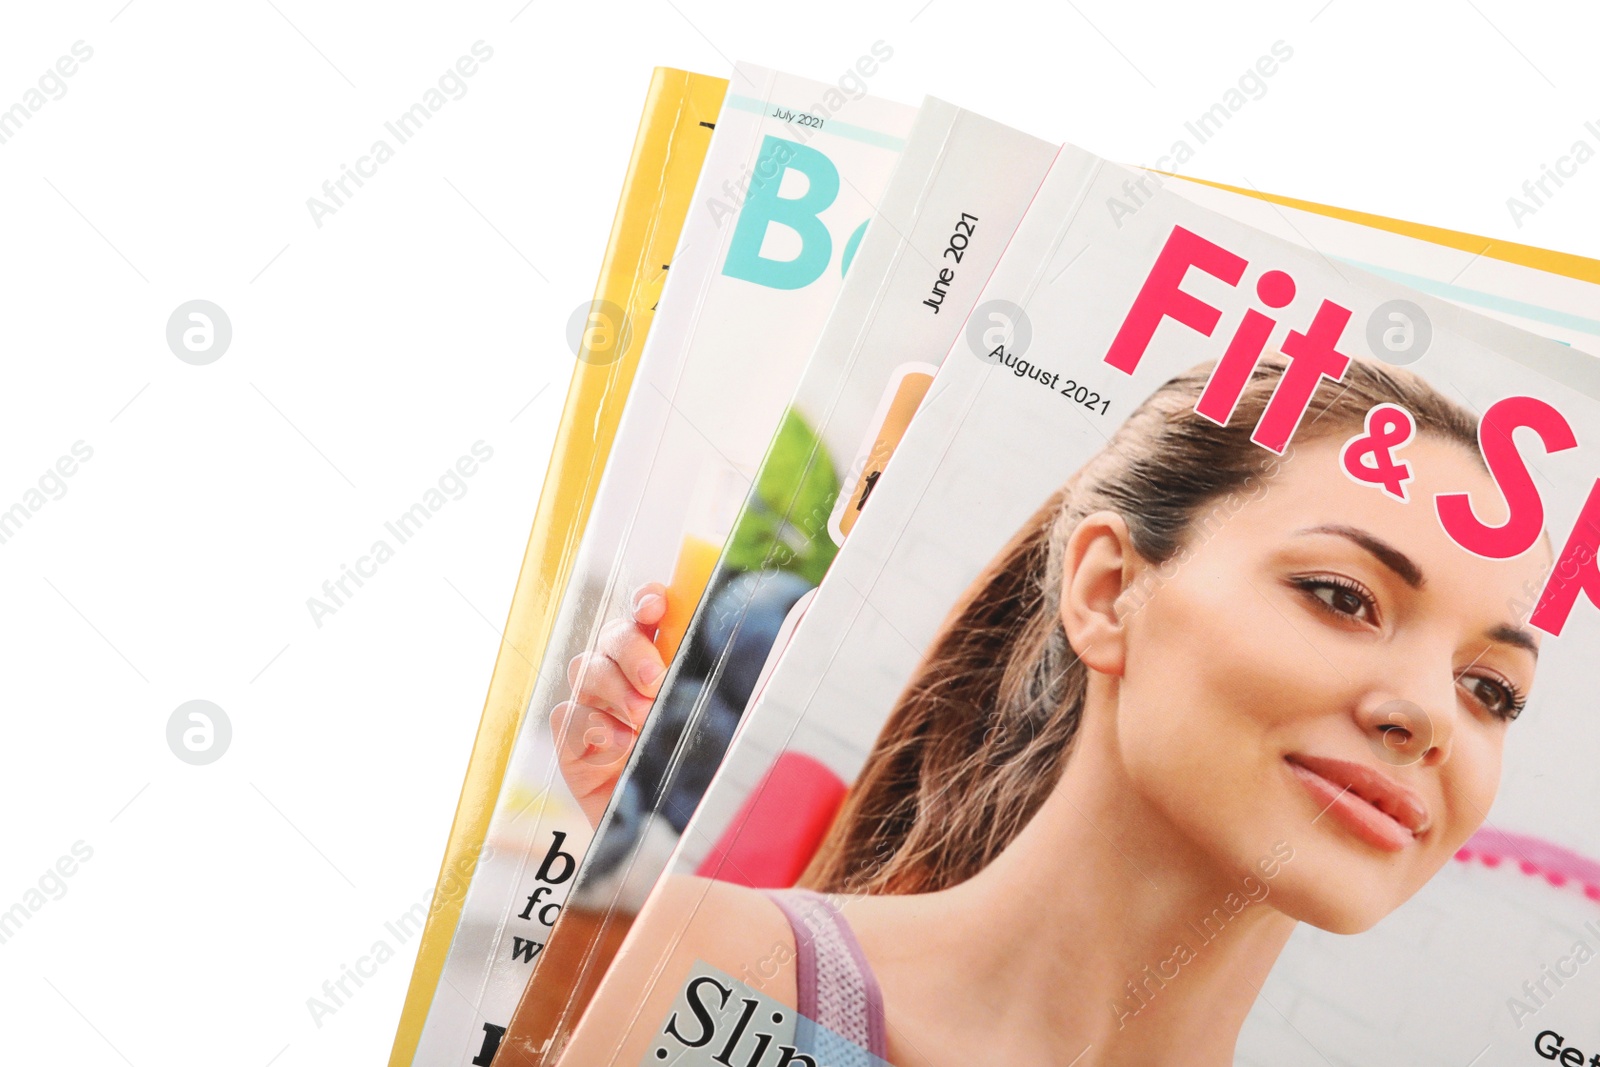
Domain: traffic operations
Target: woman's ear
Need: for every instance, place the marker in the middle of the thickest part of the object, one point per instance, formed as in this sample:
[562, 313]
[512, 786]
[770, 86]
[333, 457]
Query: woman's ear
[1095, 570]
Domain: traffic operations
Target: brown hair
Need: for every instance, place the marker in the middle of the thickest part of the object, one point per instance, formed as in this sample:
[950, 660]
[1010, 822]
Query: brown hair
[979, 736]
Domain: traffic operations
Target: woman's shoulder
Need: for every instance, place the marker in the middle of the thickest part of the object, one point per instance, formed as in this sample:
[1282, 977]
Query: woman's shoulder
[688, 921]
[725, 923]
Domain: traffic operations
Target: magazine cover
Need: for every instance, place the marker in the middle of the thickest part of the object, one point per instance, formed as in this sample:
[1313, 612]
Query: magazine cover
[1206, 684]
[1429, 258]
[940, 228]
[789, 183]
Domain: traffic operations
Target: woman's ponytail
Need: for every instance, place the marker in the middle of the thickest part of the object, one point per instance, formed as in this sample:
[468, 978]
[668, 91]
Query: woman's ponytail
[922, 814]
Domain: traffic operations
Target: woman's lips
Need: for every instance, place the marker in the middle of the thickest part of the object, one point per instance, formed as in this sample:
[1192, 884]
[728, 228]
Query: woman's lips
[1371, 805]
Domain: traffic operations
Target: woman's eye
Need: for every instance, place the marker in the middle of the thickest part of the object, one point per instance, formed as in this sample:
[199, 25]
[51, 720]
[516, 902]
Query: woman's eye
[1340, 599]
[1497, 698]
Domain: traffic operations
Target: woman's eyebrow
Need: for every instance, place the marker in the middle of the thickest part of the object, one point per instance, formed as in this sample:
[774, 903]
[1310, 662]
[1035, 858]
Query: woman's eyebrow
[1383, 551]
[1516, 636]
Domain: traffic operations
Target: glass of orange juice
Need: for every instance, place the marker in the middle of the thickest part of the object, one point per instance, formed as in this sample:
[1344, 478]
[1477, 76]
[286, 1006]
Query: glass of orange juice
[711, 517]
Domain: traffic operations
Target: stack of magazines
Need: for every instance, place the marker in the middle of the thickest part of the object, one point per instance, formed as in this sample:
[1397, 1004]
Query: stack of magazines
[993, 605]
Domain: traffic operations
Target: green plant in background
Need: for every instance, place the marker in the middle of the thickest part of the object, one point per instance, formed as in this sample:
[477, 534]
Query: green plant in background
[784, 524]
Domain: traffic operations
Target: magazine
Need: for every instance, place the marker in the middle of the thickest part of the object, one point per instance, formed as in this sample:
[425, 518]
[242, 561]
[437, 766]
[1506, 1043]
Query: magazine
[939, 230]
[1211, 651]
[789, 183]
[679, 114]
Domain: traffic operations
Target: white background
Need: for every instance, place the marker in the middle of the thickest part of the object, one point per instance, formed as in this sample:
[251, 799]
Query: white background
[429, 313]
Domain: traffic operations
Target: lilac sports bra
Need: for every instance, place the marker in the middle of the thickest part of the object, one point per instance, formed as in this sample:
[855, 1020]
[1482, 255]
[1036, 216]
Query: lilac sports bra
[841, 1007]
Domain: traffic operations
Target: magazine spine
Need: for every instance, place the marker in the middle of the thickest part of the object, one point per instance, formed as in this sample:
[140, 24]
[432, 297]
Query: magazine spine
[674, 132]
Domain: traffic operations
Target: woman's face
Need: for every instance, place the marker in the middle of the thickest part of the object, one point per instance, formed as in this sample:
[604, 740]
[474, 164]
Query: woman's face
[1326, 669]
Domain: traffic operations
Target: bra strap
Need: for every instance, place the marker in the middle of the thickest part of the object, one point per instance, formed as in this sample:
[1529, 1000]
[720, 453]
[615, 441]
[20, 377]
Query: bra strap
[836, 989]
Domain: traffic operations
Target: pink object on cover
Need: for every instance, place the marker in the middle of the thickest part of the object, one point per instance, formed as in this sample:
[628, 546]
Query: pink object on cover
[841, 1008]
[1535, 857]
[779, 826]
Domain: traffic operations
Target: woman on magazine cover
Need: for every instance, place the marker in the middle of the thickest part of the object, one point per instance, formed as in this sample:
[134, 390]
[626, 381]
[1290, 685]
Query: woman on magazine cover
[1203, 695]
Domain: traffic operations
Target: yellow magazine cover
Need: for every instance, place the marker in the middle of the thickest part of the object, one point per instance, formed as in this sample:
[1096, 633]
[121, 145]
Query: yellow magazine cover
[1579, 269]
[674, 132]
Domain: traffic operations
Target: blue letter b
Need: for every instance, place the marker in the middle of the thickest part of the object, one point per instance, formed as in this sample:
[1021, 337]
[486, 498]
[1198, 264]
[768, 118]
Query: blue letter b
[764, 207]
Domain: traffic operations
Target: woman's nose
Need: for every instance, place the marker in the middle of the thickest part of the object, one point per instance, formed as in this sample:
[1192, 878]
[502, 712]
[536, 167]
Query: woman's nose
[1404, 731]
